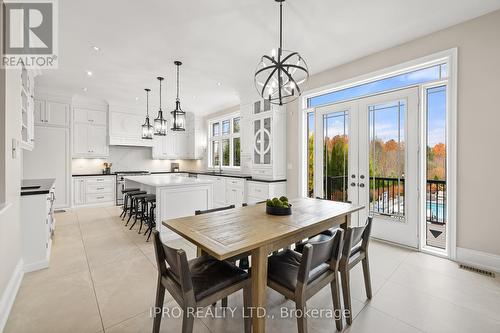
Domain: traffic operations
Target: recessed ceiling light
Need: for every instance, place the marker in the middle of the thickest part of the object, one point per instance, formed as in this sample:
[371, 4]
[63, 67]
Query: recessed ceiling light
[84, 89]
[137, 98]
[219, 84]
[96, 48]
[194, 97]
[89, 73]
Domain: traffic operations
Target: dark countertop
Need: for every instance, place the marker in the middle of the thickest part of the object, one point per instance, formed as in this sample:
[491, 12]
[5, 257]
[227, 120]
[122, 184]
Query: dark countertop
[93, 174]
[206, 173]
[37, 186]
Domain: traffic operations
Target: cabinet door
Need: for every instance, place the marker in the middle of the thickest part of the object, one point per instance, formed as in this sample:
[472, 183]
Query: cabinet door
[80, 116]
[96, 117]
[157, 148]
[266, 140]
[78, 191]
[97, 140]
[219, 191]
[39, 112]
[57, 113]
[81, 139]
[234, 196]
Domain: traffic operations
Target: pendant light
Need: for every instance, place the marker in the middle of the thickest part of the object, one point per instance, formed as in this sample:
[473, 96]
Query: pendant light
[278, 77]
[178, 116]
[147, 129]
[160, 122]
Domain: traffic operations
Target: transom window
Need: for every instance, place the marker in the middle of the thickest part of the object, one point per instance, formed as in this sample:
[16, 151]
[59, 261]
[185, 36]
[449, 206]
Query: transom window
[224, 142]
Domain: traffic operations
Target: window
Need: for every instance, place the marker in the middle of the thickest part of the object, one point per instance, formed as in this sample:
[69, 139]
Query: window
[433, 73]
[225, 142]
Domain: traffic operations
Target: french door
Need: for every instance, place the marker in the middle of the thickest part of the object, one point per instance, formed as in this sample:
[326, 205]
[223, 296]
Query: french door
[369, 156]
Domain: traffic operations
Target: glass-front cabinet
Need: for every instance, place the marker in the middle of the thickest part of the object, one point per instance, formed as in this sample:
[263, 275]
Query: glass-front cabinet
[269, 135]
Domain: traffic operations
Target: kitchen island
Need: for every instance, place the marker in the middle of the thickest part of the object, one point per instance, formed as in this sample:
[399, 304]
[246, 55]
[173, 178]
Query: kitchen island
[176, 196]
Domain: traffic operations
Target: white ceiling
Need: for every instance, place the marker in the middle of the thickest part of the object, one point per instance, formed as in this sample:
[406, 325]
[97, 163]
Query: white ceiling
[222, 41]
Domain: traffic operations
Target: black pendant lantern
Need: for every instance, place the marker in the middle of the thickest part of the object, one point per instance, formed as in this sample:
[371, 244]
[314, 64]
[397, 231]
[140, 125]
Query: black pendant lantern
[178, 116]
[278, 77]
[147, 129]
[160, 122]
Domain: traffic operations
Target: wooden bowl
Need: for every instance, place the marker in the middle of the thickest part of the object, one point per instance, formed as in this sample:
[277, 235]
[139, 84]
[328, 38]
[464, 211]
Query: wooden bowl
[279, 210]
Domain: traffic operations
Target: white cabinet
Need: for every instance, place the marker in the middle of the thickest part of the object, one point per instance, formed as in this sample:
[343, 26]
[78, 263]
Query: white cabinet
[261, 191]
[94, 190]
[125, 129]
[235, 191]
[269, 142]
[219, 188]
[51, 113]
[227, 190]
[179, 145]
[89, 133]
[37, 226]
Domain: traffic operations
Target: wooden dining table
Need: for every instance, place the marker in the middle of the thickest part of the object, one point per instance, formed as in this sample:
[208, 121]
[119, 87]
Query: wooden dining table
[229, 233]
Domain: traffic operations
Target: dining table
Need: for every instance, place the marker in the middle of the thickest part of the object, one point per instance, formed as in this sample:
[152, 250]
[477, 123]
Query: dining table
[231, 233]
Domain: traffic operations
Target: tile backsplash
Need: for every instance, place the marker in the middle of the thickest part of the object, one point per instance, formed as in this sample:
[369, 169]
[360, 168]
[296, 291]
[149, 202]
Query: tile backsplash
[130, 158]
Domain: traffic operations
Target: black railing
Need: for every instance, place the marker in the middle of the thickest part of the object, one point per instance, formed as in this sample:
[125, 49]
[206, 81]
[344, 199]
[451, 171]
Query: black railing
[436, 201]
[387, 196]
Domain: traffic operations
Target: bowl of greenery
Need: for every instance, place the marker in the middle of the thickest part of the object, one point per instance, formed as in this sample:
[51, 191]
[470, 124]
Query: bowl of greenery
[278, 206]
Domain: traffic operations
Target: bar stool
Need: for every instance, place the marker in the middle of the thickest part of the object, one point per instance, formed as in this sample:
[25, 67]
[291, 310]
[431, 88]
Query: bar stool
[138, 201]
[151, 221]
[144, 213]
[133, 208]
[125, 200]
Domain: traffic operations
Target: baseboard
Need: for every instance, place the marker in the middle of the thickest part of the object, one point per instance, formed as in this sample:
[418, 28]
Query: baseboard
[10, 292]
[35, 266]
[478, 259]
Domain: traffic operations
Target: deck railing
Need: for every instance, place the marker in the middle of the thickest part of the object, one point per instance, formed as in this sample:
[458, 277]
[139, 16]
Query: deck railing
[387, 196]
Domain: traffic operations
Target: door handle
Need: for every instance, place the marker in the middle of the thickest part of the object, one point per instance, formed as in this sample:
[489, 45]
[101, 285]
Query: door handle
[353, 184]
[361, 185]
[362, 176]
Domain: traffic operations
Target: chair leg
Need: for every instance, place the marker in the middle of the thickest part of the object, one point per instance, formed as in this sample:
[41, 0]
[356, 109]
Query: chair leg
[302, 319]
[346, 291]
[366, 275]
[224, 302]
[160, 296]
[149, 235]
[187, 322]
[247, 304]
[337, 307]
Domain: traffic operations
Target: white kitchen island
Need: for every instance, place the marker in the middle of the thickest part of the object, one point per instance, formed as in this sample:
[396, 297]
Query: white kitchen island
[176, 196]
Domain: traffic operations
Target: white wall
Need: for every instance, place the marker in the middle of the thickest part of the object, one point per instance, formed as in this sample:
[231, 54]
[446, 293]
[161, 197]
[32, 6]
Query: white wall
[10, 224]
[130, 158]
[478, 120]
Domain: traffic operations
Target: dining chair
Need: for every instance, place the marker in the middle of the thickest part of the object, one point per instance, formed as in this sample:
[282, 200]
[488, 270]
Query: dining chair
[196, 283]
[355, 250]
[298, 277]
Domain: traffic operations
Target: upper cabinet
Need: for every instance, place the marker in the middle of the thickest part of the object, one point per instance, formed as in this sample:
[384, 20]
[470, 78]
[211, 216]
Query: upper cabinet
[51, 113]
[269, 141]
[125, 129]
[179, 145]
[90, 133]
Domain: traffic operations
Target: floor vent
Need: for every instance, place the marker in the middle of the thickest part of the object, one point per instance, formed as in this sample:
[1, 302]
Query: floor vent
[477, 270]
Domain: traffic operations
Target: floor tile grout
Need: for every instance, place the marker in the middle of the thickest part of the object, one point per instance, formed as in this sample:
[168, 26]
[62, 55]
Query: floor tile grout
[90, 273]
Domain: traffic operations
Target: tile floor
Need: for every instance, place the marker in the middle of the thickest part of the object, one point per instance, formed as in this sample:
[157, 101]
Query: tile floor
[102, 278]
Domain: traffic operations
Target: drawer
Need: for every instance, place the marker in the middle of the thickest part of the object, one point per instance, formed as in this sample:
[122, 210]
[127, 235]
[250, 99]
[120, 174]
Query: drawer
[104, 187]
[99, 198]
[263, 173]
[100, 180]
[260, 191]
[235, 182]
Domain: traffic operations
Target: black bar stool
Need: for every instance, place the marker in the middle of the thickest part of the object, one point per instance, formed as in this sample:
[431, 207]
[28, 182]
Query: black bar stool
[133, 207]
[145, 209]
[125, 200]
[151, 221]
[139, 208]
